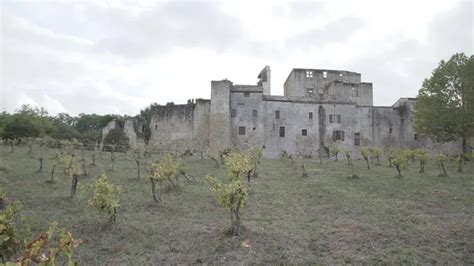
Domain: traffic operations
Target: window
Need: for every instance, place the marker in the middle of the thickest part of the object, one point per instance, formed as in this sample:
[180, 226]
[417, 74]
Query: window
[355, 91]
[240, 105]
[340, 74]
[277, 114]
[334, 119]
[310, 115]
[309, 74]
[309, 91]
[304, 132]
[246, 94]
[390, 130]
[325, 74]
[337, 135]
[415, 136]
[254, 113]
[156, 127]
[233, 113]
[282, 132]
[356, 139]
[241, 130]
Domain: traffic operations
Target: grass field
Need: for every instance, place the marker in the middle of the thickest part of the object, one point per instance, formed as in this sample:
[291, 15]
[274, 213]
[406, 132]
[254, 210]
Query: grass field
[324, 218]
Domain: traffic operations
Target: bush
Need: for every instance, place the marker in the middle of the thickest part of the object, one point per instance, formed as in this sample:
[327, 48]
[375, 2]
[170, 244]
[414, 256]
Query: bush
[106, 197]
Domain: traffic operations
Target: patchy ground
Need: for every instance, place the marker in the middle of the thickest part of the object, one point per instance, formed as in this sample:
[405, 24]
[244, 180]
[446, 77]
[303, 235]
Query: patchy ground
[324, 218]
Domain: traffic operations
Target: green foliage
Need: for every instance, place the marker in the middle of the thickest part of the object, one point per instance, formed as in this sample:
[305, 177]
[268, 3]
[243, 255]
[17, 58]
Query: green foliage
[166, 170]
[399, 160]
[376, 153]
[347, 154]
[334, 150]
[231, 196]
[105, 197]
[255, 154]
[422, 156]
[13, 232]
[445, 103]
[238, 164]
[144, 119]
[116, 136]
[41, 251]
[27, 122]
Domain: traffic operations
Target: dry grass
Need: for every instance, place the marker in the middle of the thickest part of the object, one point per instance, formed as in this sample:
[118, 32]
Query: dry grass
[324, 218]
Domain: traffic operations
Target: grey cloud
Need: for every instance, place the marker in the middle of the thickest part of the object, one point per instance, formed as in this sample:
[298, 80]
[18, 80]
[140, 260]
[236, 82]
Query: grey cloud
[170, 25]
[334, 32]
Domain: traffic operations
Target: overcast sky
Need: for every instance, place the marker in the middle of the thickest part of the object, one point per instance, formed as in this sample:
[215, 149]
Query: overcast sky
[118, 57]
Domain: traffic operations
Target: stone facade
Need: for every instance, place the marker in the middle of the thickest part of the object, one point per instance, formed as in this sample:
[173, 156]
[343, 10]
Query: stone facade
[319, 107]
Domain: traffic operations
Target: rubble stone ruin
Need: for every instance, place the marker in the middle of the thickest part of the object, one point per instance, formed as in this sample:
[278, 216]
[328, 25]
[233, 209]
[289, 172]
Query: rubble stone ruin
[319, 107]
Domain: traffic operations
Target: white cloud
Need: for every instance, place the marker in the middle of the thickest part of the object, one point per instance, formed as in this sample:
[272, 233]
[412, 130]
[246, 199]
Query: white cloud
[118, 57]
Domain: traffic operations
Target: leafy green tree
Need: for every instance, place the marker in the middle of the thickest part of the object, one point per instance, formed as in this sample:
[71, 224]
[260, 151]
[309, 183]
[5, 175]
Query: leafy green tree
[445, 106]
[27, 122]
[144, 119]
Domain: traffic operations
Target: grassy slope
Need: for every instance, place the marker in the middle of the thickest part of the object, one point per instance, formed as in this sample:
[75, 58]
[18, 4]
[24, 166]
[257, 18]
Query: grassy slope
[326, 218]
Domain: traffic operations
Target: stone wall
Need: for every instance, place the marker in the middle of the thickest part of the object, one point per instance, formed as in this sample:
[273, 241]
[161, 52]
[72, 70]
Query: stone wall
[220, 133]
[181, 127]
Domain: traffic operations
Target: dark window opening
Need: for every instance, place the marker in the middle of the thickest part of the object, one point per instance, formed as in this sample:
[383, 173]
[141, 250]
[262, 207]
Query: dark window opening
[415, 136]
[304, 132]
[356, 139]
[277, 114]
[282, 132]
[253, 128]
[390, 130]
[254, 113]
[233, 113]
[156, 127]
[241, 130]
[334, 119]
[241, 104]
[338, 135]
[310, 115]
[246, 94]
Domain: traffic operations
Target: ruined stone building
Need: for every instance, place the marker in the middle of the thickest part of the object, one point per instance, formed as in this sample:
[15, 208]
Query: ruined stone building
[319, 107]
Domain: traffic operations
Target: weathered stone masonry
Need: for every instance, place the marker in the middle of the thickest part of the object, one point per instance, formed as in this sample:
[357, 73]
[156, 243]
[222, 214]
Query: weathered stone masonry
[319, 107]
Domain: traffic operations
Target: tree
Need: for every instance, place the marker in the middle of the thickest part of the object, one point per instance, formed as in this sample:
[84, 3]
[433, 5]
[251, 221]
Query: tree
[116, 136]
[445, 105]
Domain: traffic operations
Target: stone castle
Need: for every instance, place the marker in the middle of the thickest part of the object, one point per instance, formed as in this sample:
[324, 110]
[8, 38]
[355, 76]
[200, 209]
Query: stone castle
[319, 107]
